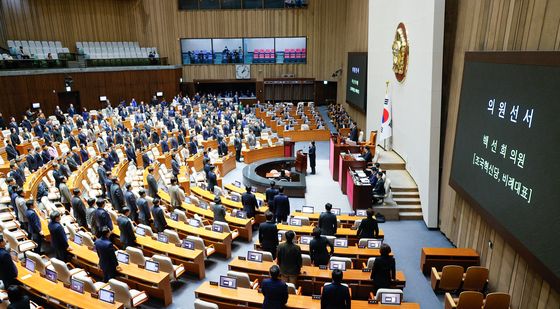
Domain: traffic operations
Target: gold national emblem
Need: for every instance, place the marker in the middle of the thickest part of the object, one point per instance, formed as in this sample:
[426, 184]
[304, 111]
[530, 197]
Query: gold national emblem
[400, 53]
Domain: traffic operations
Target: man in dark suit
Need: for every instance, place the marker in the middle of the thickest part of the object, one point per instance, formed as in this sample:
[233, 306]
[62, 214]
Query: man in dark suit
[34, 225]
[164, 145]
[289, 259]
[144, 214]
[131, 153]
[175, 168]
[193, 149]
[237, 144]
[367, 155]
[270, 194]
[31, 160]
[268, 235]
[8, 270]
[282, 206]
[101, 218]
[131, 202]
[336, 295]
[212, 179]
[146, 161]
[379, 189]
[78, 208]
[354, 133]
[327, 221]
[107, 258]
[222, 148]
[312, 157]
[16, 175]
[117, 195]
[274, 290]
[59, 241]
[128, 238]
[152, 183]
[102, 175]
[160, 223]
[11, 151]
[249, 202]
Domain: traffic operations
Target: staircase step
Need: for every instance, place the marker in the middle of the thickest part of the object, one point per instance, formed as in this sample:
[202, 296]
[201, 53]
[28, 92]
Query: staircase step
[409, 208]
[407, 200]
[406, 194]
[410, 216]
[404, 189]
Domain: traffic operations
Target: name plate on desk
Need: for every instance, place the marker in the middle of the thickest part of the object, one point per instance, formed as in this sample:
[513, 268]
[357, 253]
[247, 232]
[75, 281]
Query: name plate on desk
[242, 258]
[323, 267]
[316, 297]
[372, 302]
[366, 270]
[215, 283]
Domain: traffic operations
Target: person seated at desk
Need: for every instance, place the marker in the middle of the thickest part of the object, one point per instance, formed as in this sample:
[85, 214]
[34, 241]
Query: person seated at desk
[379, 189]
[22, 54]
[274, 290]
[283, 176]
[383, 273]
[368, 227]
[336, 295]
[367, 155]
[17, 299]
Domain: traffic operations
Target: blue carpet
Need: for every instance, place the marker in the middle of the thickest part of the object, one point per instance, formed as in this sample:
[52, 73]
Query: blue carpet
[323, 110]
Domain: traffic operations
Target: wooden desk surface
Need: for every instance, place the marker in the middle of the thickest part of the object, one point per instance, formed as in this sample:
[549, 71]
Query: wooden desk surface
[309, 271]
[252, 155]
[58, 292]
[207, 195]
[242, 190]
[463, 252]
[350, 251]
[198, 231]
[207, 213]
[242, 295]
[308, 229]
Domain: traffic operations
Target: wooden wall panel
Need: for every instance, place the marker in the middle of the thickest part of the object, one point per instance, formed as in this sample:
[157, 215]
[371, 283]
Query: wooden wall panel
[18, 92]
[495, 25]
[69, 21]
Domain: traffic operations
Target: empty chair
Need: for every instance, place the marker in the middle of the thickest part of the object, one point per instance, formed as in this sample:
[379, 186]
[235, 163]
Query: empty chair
[305, 260]
[91, 286]
[136, 256]
[130, 298]
[364, 241]
[449, 279]
[199, 245]
[65, 271]
[369, 264]
[166, 265]
[475, 279]
[243, 280]
[347, 261]
[466, 300]
[147, 230]
[173, 237]
[292, 289]
[392, 291]
[497, 300]
[19, 246]
[41, 262]
[226, 229]
[200, 304]
[181, 215]
[267, 256]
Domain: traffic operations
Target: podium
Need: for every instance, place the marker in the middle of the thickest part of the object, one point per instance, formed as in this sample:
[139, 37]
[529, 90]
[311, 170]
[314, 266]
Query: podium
[301, 162]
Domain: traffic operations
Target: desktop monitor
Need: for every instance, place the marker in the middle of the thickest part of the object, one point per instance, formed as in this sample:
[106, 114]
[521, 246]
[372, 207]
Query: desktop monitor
[51, 275]
[194, 222]
[228, 282]
[107, 296]
[159, 94]
[307, 209]
[241, 214]
[254, 256]
[187, 244]
[30, 265]
[388, 298]
[253, 189]
[203, 205]
[279, 237]
[161, 237]
[78, 239]
[123, 257]
[374, 243]
[235, 198]
[260, 202]
[335, 211]
[337, 265]
[305, 239]
[217, 228]
[77, 286]
[103, 98]
[237, 183]
[295, 221]
[140, 231]
[152, 266]
[361, 212]
[36, 105]
[174, 216]
[341, 242]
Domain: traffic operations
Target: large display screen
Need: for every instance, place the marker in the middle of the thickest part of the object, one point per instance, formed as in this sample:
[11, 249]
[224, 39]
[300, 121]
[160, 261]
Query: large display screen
[506, 158]
[356, 80]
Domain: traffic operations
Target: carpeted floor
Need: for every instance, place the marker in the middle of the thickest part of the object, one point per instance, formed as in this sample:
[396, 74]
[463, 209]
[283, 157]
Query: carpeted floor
[405, 237]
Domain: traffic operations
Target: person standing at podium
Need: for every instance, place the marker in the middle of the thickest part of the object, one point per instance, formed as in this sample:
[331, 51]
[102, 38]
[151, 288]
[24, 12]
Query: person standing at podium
[312, 157]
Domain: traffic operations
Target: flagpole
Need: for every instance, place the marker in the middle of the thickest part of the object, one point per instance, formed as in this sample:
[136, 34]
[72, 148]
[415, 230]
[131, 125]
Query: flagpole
[386, 93]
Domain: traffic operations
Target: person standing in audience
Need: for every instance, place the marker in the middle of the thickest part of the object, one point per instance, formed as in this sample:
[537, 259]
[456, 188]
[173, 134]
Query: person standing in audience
[368, 227]
[34, 225]
[144, 214]
[219, 210]
[383, 273]
[130, 199]
[379, 189]
[117, 195]
[90, 211]
[354, 132]
[336, 295]
[8, 270]
[288, 257]
[282, 206]
[327, 221]
[65, 196]
[78, 208]
[175, 168]
[59, 241]
[17, 299]
[274, 290]
[312, 157]
[270, 193]
[249, 202]
[160, 223]
[176, 194]
[152, 183]
[237, 144]
[268, 235]
[212, 179]
[107, 258]
[101, 218]
[318, 248]
[16, 174]
[146, 161]
[21, 208]
[127, 236]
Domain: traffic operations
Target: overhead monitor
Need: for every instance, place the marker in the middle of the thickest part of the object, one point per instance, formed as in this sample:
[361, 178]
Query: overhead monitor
[103, 98]
[36, 105]
[506, 150]
[159, 94]
[356, 80]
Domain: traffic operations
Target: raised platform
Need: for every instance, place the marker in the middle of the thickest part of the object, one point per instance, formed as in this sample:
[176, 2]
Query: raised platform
[253, 175]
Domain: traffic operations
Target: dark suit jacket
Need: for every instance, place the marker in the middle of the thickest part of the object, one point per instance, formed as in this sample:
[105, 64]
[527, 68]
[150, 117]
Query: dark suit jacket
[289, 258]
[144, 209]
[159, 219]
[368, 228]
[368, 157]
[268, 235]
[31, 163]
[59, 241]
[117, 197]
[145, 160]
[175, 167]
[282, 205]
[270, 194]
[318, 250]
[106, 252]
[131, 202]
[12, 152]
[379, 188]
[327, 223]
[212, 181]
[128, 238]
[335, 296]
[383, 271]
[79, 210]
[8, 270]
[23, 303]
[152, 186]
[102, 218]
[164, 146]
[250, 204]
[354, 134]
[275, 293]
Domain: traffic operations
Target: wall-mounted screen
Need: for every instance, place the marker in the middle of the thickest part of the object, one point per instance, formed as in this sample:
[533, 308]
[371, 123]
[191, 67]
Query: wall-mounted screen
[196, 51]
[259, 50]
[291, 50]
[356, 80]
[505, 158]
[227, 50]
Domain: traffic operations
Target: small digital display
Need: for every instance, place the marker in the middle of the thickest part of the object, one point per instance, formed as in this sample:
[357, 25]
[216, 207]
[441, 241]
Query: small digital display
[254, 256]
[295, 221]
[51, 275]
[194, 222]
[77, 286]
[390, 298]
[187, 244]
[374, 243]
[361, 213]
[30, 265]
[107, 296]
[123, 257]
[337, 265]
[307, 209]
[162, 238]
[152, 266]
[336, 211]
[341, 242]
[217, 228]
[237, 183]
[140, 231]
[305, 239]
[241, 214]
[174, 217]
[78, 239]
[228, 282]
